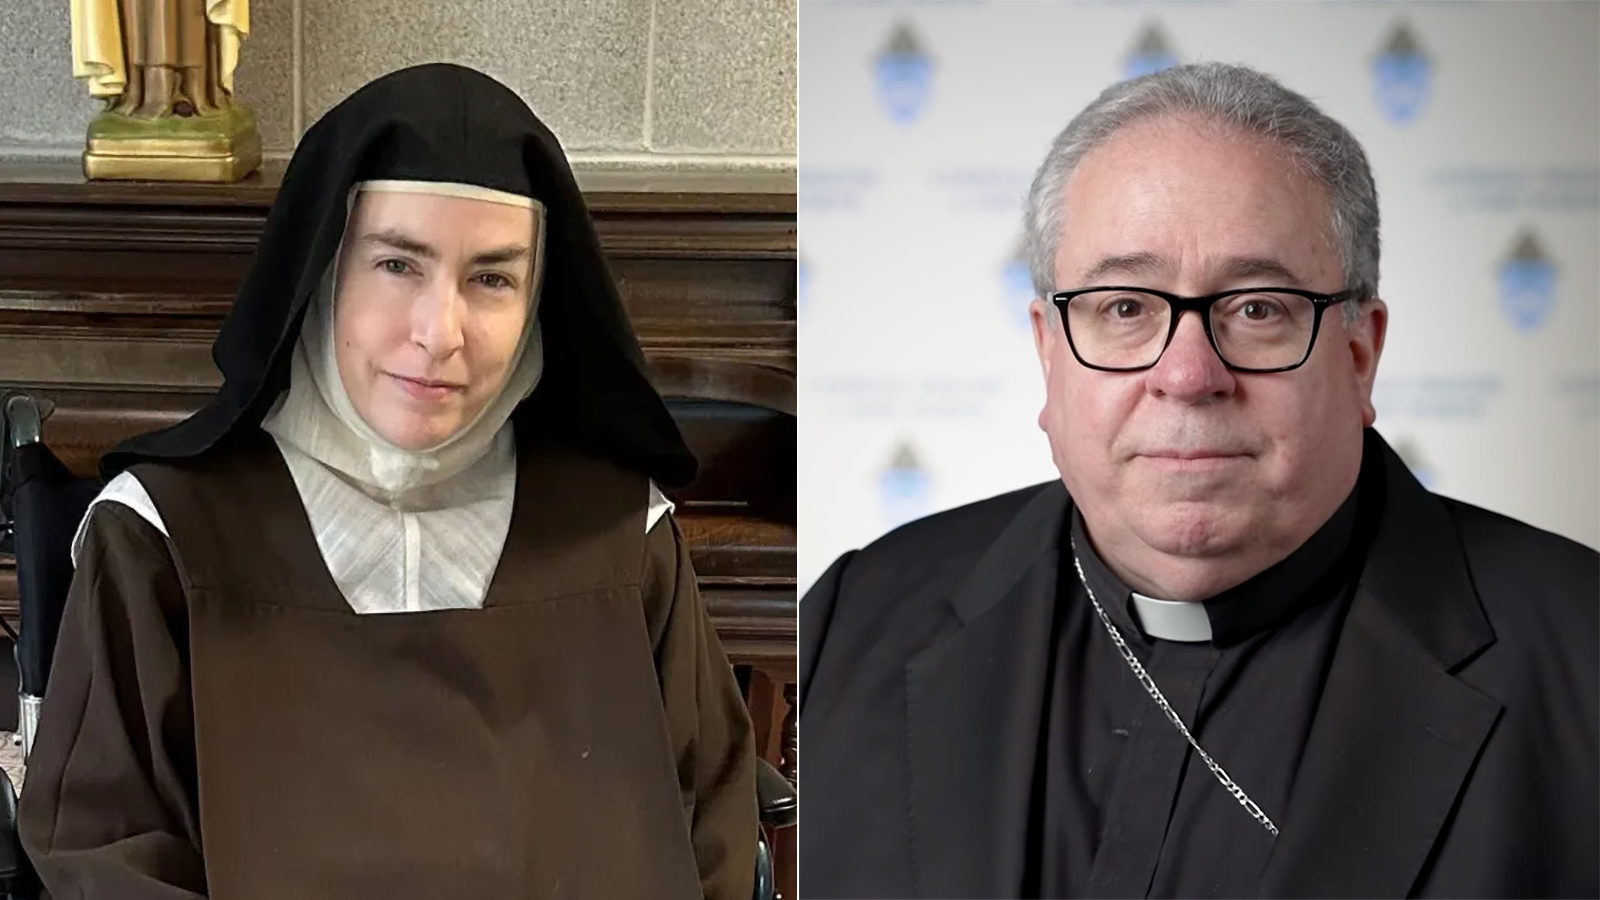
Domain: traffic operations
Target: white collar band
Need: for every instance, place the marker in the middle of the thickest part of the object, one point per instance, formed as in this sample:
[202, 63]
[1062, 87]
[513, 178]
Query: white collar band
[1172, 620]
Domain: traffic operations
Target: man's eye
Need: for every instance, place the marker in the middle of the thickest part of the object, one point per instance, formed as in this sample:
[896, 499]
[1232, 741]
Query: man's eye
[493, 280]
[1127, 309]
[394, 266]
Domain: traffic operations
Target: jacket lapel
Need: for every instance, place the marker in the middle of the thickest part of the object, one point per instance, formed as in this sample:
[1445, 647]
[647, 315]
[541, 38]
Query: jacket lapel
[1395, 734]
[975, 700]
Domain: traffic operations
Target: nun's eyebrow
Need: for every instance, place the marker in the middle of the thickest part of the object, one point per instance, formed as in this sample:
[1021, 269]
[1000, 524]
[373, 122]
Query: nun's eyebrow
[400, 241]
[501, 255]
[403, 242]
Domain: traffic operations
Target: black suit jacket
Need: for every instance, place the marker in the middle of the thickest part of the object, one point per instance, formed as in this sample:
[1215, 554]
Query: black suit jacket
[1454, 752]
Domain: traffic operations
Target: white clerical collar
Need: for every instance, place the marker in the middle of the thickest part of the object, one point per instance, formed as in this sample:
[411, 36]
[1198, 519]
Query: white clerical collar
[1172, 620]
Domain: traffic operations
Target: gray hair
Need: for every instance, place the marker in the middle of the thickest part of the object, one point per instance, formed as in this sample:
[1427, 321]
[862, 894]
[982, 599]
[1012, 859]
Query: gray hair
[1232, 96]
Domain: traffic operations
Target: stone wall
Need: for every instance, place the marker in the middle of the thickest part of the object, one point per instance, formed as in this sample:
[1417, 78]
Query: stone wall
[631, 84]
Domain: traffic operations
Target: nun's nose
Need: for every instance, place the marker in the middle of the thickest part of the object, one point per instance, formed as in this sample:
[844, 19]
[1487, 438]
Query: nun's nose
[436, 321]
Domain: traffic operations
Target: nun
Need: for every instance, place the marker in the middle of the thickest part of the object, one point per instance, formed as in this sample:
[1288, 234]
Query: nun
[401, 611]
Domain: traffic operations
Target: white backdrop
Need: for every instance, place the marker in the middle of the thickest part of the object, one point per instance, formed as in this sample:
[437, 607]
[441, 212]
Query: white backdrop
[921, 125]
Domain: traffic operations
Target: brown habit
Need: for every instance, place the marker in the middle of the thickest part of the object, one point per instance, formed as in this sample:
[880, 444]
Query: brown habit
[220, 723]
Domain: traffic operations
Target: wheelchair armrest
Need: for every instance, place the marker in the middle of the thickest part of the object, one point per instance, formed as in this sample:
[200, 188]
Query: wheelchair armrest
[776, 797]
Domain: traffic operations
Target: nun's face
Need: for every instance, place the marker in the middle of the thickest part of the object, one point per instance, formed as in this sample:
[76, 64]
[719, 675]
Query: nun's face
[433, 296]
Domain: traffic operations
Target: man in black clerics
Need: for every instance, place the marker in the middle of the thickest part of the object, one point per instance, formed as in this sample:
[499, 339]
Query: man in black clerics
[1237, 650]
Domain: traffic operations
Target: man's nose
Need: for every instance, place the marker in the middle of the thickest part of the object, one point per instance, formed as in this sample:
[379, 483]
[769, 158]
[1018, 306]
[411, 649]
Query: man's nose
[1190, 370]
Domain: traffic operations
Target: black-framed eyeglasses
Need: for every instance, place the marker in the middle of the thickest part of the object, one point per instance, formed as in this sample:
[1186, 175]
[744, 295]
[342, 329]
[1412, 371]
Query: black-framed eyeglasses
[1125, 329]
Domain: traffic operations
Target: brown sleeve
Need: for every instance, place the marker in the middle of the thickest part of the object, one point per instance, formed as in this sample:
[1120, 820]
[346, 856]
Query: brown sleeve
[108, 807]
[711, 732]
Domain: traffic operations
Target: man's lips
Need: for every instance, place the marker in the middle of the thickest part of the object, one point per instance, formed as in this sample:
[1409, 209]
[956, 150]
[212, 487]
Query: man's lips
[1191, 460]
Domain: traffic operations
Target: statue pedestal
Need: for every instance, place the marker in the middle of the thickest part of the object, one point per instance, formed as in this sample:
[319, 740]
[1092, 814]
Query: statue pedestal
[224, 147]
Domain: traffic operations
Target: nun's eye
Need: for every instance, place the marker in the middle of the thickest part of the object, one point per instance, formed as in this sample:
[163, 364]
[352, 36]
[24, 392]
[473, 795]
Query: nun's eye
[395, 266]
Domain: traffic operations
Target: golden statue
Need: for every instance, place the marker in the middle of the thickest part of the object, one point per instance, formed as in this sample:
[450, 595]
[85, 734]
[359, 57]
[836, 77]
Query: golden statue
[165, 68]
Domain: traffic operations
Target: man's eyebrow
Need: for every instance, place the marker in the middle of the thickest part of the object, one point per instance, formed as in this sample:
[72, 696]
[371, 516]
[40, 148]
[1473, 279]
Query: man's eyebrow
[1242, 267]
[401, 241]
[1233, 269]
[1135, 264]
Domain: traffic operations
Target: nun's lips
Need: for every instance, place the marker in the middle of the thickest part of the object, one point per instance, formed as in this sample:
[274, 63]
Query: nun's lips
[425, 388]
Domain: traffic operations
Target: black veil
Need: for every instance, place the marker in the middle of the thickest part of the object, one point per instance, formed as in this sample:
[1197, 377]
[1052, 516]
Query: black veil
[445, 123]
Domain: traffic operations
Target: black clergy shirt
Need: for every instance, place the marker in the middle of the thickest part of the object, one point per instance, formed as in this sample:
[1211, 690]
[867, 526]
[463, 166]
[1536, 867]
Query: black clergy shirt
[1123, 805]
[974, 733]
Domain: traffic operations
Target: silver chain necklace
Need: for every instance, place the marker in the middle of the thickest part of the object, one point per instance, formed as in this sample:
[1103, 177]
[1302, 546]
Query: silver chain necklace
[1161, 701]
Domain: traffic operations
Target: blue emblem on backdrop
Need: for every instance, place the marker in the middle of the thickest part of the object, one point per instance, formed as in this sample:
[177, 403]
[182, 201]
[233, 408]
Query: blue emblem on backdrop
[1402, 77]
[1016, 286]
[904, 74]
[1151, 54]
[904, 489]
[1527, 285]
